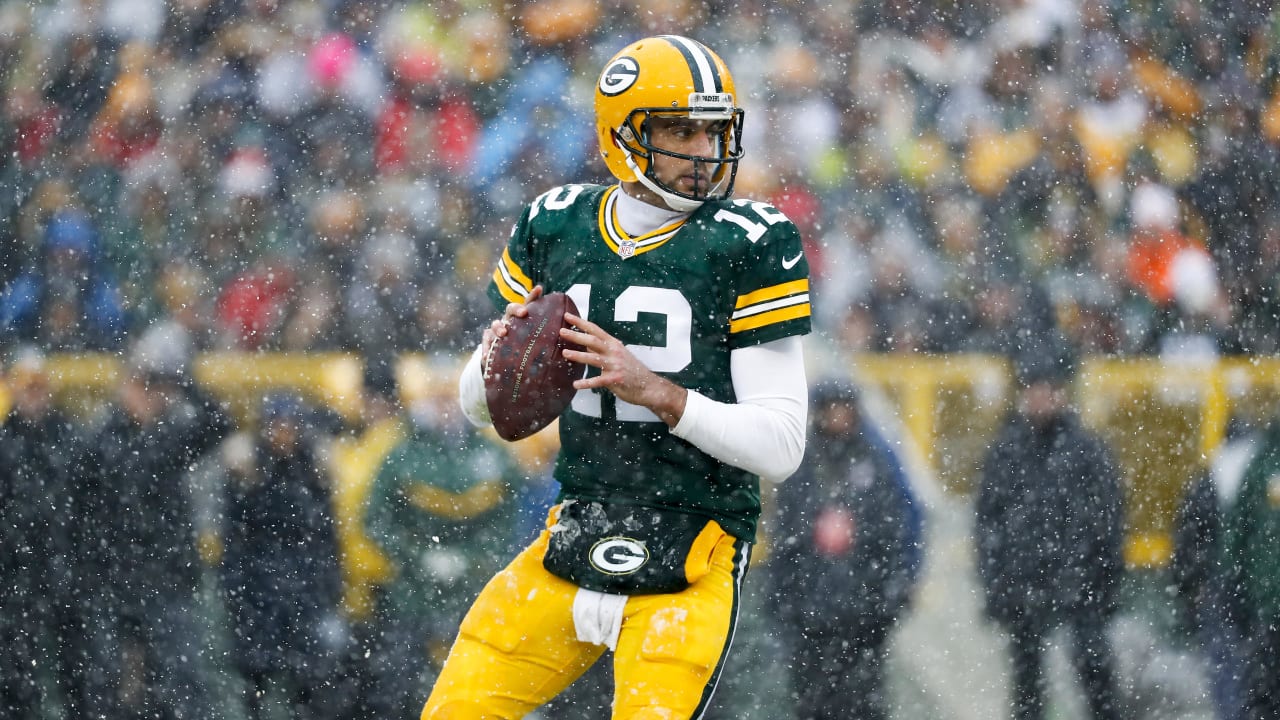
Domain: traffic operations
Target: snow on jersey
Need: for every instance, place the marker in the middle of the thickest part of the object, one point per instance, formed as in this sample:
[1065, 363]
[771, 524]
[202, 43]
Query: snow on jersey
[731, 275]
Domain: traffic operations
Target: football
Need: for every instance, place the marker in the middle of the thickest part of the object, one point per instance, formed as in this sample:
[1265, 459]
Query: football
[527, 380]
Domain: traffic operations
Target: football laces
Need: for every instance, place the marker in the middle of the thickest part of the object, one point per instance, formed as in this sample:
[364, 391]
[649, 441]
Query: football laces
[493, 347]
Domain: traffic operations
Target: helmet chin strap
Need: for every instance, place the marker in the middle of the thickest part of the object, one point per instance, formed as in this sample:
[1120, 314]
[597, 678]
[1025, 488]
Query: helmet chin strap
[673, 201]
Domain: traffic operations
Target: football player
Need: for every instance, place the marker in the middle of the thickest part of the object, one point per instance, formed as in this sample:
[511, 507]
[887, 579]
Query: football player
[692, 306]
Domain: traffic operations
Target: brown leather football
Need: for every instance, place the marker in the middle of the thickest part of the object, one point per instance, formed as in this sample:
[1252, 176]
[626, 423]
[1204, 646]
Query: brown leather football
[528, 382]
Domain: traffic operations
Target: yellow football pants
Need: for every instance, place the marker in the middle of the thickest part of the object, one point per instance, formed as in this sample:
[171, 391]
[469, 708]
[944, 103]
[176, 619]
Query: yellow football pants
[517, 647]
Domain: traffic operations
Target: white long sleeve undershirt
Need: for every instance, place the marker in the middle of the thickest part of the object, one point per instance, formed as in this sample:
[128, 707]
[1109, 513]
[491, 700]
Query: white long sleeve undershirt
[762, 433]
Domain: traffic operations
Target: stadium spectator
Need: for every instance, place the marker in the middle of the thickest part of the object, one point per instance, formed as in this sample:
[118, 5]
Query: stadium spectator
[845, 558]
[1251, 537]
[1178, 275]
[279, 572]
[67, 299]
[1209, 606]
[140, 517]
[353, 459]
[1048, 535]
[380, 308]
[42, 620]
[442, 510]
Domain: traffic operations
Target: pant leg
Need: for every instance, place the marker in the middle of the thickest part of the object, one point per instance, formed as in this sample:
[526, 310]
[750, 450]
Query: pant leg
[516, 647]
[71, 658]
[816, 673]
[1220, 637]
[103, 671]
[865, 684]
[256, 685]
[1091, 654]
[1264, 679]
[19, 688]
[174, 645]
[1025, 648]
[398, 667]
[672, 647]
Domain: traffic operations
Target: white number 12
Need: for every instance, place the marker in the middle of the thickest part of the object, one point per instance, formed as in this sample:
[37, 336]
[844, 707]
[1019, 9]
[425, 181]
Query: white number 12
[672, 357]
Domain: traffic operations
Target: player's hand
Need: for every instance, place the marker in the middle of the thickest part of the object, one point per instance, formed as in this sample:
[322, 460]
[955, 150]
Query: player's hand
[498, 328]
[621, 372]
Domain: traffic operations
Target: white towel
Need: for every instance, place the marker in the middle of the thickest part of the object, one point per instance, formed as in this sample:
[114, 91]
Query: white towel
[597, 617]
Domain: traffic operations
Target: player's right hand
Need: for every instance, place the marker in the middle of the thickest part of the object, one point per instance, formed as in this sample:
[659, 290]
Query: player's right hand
[498, 328]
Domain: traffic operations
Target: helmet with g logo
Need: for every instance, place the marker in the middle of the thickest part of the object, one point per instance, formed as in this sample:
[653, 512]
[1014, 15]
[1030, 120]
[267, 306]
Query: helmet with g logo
[667, 76]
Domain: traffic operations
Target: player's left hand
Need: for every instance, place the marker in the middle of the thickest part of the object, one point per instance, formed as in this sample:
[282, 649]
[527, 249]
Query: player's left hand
[621, 372]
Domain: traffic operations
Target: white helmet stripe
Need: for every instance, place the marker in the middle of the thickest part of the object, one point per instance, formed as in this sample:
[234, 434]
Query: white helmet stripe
[706, 77]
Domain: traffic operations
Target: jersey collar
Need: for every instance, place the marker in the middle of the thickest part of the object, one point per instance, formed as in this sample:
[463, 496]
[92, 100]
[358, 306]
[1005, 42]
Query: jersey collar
[637, 213]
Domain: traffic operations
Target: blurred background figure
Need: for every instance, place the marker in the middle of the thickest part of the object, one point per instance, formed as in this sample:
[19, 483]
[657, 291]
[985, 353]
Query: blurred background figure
[1049, 535]
[1251, 538]
[66, 297]
[42, 624]
[1176, 275]
[442, 508]
[280, 570]
[353, 456]
[844, 560]
[140, 518]
[1209, 602]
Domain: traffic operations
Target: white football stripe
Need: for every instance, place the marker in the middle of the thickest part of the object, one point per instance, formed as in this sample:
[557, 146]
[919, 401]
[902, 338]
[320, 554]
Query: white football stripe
[512, 283]
[758, 308]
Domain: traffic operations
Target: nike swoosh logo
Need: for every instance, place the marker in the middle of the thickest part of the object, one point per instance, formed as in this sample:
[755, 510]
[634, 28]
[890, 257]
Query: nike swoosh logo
[788, 263]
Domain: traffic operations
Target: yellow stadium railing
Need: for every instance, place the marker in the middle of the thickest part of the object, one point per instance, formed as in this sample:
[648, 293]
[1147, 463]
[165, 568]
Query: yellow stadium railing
[1163, 420]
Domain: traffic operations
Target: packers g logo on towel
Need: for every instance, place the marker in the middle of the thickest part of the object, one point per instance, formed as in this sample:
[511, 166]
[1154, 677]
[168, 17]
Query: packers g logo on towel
[618, 555]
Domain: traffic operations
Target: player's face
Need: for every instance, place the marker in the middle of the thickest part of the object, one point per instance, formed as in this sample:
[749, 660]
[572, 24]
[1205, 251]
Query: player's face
[686, 137]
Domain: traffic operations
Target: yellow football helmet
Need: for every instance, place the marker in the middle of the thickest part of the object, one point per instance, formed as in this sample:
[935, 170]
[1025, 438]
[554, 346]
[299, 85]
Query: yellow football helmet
[667, 75]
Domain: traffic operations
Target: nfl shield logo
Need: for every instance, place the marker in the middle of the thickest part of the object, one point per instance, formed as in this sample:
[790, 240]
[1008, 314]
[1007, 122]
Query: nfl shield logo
[626, 249]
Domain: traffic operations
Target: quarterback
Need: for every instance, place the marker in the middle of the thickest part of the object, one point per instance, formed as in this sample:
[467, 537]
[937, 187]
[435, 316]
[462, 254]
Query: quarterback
[692, 306]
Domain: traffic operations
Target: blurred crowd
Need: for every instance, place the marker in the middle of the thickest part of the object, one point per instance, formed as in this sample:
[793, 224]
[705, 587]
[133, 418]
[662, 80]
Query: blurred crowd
[339, 174]
[308, 175]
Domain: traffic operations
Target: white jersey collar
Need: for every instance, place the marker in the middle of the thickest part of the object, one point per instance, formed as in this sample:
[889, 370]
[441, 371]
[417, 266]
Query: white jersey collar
[638, 217]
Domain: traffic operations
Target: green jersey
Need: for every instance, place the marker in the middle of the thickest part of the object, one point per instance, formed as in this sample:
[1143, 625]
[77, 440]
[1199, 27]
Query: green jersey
[731, 275]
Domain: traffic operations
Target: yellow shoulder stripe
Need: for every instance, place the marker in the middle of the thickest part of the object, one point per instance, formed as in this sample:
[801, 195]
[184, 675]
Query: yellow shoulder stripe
[751, 322]
[773, 293]
[512, 282]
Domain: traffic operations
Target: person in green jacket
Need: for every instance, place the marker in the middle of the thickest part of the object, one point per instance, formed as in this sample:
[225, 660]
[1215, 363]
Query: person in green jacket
[442, 509]
[1252, 545]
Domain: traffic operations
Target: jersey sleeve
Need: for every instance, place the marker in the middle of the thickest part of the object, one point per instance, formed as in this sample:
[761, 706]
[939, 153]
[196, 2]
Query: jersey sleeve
[772, 291]
[543, 224]
[511, 281]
